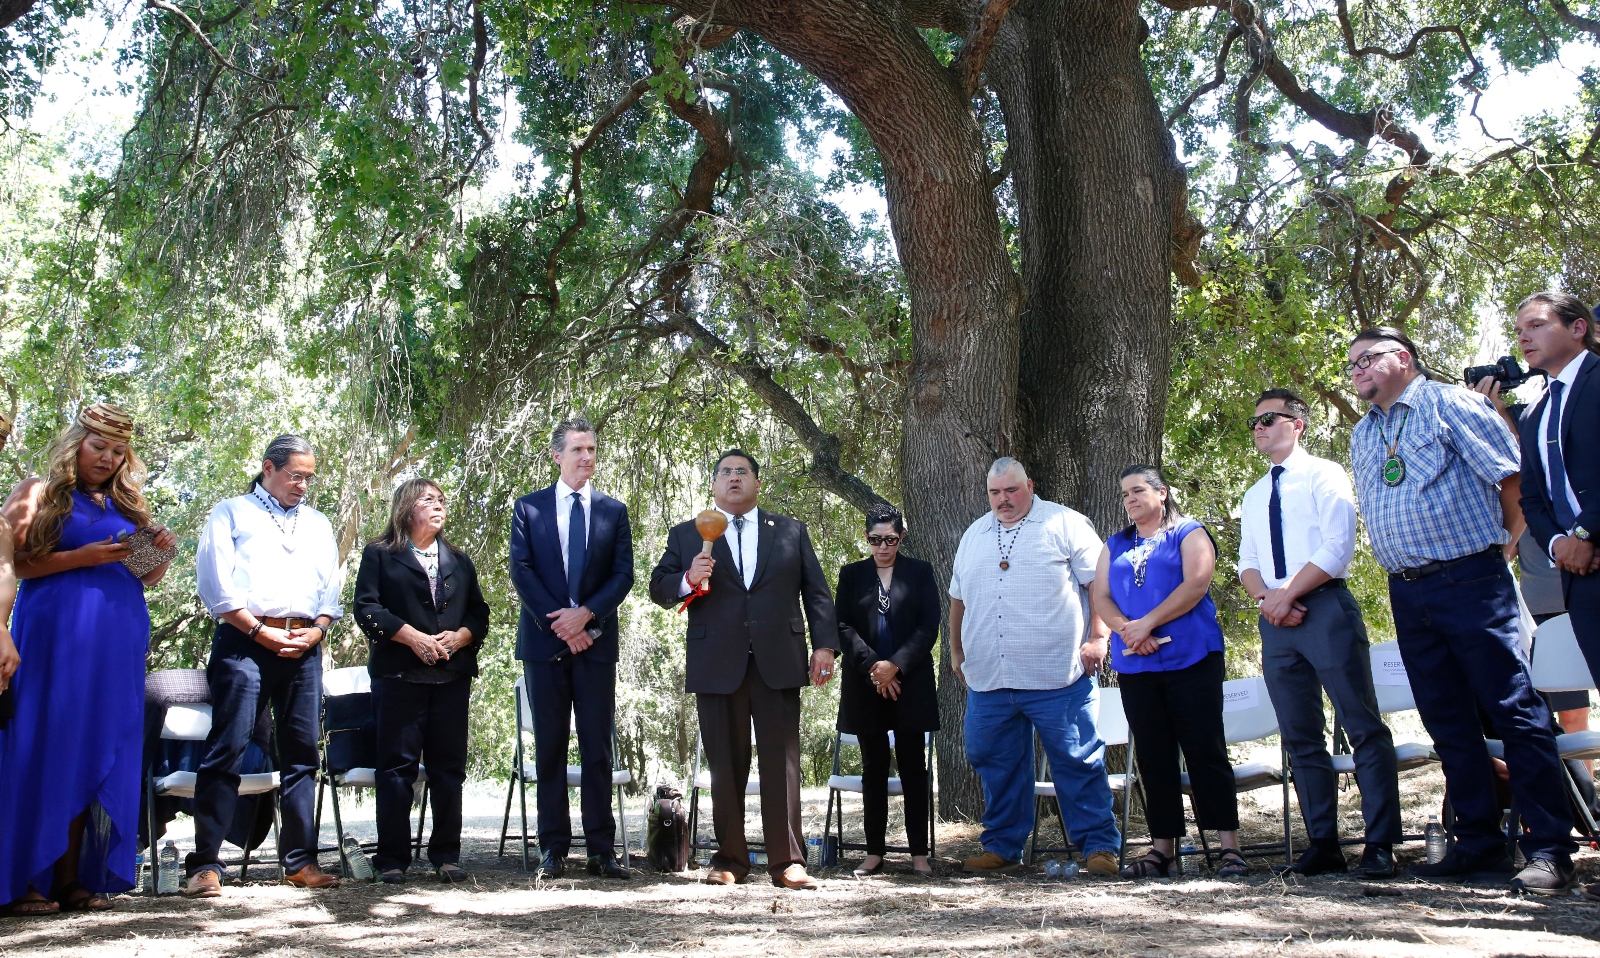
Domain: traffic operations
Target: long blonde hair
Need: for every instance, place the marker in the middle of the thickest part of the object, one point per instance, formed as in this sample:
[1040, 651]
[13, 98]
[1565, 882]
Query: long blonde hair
[62, 477]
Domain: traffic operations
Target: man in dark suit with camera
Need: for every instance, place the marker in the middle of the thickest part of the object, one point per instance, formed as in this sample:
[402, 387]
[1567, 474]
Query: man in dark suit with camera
[572, 564]
[747, 661]
[1561, 456]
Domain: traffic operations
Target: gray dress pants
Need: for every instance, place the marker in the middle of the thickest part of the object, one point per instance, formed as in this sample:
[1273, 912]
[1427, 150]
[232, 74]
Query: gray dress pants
[1328, 651]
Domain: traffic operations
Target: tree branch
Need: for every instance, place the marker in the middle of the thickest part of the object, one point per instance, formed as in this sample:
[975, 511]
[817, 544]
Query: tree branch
[1573, 20]
[968, 65]
[205, 41]
[824, 447]
[1234, 33]
[1343, 10]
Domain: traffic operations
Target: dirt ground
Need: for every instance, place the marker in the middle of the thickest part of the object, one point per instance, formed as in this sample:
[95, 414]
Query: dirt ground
[504, 911]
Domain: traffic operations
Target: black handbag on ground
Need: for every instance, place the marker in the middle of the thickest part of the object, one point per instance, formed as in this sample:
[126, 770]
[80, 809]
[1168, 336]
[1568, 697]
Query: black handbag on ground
[667, 833]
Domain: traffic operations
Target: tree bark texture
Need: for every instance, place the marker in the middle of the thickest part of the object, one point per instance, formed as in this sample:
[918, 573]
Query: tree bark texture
[961, 393]
[1098, 186]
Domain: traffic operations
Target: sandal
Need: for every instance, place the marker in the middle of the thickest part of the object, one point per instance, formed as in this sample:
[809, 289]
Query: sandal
[392, 876]
[1152, 865]
[1232, 864]
[26, 907]
[74, 897]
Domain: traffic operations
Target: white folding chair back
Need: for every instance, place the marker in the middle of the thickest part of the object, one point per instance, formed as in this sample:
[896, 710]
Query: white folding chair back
[1112, 722]
[346, 681]
[1558, 662]
[524, 705]
[187, 723]
[1247, 712]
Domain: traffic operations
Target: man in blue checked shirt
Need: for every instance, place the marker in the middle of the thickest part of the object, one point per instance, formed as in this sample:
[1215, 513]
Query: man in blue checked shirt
[1436, 475]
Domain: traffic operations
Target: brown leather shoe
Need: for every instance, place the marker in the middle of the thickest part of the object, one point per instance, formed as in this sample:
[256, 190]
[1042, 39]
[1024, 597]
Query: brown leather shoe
[718, 876]
[204, 883]
[312, 877]
[989, 864]
[795, 877]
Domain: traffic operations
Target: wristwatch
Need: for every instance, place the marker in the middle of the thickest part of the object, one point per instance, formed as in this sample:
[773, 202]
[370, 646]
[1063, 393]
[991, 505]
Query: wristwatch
[1580, 533]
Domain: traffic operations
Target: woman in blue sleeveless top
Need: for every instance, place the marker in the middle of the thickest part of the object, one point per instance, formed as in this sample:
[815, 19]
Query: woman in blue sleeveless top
[1153, 589]
[70, 759]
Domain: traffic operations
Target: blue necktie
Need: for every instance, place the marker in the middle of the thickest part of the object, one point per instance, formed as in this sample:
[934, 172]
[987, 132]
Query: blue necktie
[1552, 452]
[577, 548]
[1280, 565]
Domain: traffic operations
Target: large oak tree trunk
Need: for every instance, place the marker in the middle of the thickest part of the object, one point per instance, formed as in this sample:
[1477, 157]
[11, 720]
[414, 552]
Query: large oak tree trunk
[1096, 180]
[961, 393]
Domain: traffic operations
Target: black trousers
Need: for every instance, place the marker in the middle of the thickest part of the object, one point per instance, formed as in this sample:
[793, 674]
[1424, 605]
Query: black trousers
[1181, 709]
[245, 679]
[576, 692]
[913, 760]
[725, 724]
[426, 725]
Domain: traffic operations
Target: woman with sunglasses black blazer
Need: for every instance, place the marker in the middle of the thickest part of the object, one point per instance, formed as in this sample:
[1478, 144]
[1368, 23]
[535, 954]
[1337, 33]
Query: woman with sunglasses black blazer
[888, 607]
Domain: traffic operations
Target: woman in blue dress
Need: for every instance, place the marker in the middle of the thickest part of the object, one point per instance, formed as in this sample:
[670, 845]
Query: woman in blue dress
[70, 759]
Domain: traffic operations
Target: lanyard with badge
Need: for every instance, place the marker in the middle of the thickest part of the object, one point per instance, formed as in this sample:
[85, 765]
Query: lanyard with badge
[1394, 468]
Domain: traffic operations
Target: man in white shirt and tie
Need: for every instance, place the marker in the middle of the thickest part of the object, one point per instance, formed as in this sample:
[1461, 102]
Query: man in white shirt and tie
[1297, 537]
[268, 570]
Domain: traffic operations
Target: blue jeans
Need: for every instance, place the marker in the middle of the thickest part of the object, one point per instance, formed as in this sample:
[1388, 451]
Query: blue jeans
[999, 737]
[1458, 636]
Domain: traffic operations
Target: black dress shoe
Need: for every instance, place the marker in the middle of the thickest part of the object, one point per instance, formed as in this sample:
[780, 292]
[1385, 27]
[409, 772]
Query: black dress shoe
[1461, 865]
[606, 866]
[1377, 861]
[1543, 877]
[1319, 859]
[553, 865]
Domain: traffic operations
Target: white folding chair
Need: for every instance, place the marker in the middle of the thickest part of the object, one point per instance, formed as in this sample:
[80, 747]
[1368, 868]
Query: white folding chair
[1111, 722]
[1247, 716]
[1559, 665]
[192, 723]
[1393, 690]
[700, 781]
[839, 783]
[350, 751]
[525, 772]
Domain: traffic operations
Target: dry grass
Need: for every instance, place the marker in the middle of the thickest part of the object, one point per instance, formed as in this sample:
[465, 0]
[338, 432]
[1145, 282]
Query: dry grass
[504, 912]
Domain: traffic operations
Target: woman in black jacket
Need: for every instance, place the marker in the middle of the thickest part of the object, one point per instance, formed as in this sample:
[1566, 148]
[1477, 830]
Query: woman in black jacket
[888, 607]
[418, 601]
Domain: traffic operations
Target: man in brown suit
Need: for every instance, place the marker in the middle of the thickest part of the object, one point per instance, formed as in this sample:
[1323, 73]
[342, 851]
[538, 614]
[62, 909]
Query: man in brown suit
[747, 661]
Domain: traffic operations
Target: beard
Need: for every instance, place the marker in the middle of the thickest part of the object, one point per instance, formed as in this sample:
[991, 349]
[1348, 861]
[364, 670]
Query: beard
[1369, 392]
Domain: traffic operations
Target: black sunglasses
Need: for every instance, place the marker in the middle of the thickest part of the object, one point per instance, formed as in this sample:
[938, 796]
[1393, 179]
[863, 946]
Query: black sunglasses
[1269, 419]
[883, 540]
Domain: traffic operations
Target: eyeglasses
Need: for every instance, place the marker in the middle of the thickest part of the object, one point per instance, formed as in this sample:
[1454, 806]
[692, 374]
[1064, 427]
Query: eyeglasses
[1367, 359]
[727, 471]
[1269, 419]
[883, 540]
[302, 478]
[430, 500]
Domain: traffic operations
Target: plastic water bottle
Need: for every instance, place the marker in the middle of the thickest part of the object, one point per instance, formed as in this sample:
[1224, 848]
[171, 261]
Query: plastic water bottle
[1060, 871]
[167, 872]
[813, 853]
[139, 886]
[355, 859]
[1069, 869]
[1052, 868]
[1435, 839]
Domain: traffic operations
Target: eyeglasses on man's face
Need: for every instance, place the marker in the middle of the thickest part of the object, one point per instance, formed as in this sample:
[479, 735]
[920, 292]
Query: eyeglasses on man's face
[1269, 419]
[302, 478]
[883, 540]
[1366, 359]
[727, 471]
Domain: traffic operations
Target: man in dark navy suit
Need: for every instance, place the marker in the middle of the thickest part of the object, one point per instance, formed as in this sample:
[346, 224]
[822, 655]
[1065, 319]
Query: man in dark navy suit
[1561, 456]
[572, 564]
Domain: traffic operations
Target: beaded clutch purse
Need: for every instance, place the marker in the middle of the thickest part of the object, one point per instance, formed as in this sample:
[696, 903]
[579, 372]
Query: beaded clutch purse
[145, 557]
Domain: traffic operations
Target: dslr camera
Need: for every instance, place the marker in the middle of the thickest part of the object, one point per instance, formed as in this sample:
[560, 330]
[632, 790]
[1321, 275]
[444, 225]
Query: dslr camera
[1506, 372]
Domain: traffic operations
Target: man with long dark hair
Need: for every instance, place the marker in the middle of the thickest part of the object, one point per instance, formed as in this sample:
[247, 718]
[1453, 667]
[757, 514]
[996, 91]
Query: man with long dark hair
[1437, 478]
[268, 571]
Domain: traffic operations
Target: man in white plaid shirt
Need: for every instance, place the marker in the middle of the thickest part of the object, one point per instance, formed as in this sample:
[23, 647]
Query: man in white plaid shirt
[1436, 475]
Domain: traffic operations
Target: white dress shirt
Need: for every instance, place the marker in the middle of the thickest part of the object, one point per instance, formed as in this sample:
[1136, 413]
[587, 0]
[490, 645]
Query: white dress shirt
[1568, 375]
[747, 561]
[1023, 625]
[564, 514]
[258, 556]
[1319, 519]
